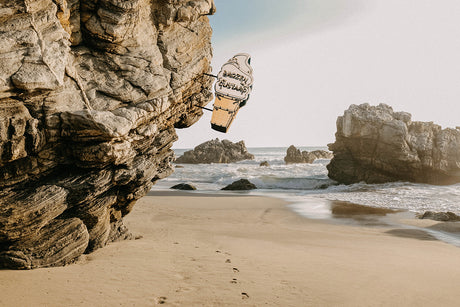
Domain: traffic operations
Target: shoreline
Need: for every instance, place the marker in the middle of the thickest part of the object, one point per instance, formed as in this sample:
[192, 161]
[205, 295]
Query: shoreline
[245, 250]
[399, 222]
[349, 214]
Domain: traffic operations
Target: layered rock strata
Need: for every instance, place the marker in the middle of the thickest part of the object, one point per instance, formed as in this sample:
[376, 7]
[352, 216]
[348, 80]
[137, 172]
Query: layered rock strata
[90, 94]
[374, 144]
[215, 151]
[294, 155]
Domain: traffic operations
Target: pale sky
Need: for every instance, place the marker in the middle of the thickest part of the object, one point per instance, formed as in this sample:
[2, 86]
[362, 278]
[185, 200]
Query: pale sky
[314, 58]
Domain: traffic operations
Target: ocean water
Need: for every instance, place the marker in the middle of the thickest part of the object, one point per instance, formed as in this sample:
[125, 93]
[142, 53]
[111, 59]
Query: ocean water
[302, 184]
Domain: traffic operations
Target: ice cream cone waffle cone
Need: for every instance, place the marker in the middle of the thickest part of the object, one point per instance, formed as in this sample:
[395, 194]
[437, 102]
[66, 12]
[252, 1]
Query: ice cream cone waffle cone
[225, 110]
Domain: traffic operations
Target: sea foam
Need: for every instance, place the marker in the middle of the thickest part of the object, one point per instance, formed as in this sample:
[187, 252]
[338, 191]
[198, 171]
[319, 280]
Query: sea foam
[297, 182]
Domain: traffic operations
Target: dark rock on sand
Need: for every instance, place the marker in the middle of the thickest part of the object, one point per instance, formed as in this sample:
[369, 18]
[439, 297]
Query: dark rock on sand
[184, 187]
[264, 164]
[440, 216]
[294, 155]
[215, 151]
[240, 185]
[90, 95]
[374, 144]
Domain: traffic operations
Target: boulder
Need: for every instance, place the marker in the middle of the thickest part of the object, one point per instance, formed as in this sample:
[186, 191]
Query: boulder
[441, 216]
[215, 151]
[184, 187]
[264, 164]
[294, 155]
[374, 144]
[240, 185]
[91, 93]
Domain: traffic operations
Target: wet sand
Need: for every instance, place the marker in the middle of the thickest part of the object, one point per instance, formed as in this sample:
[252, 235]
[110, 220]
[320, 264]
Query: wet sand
[208, 250]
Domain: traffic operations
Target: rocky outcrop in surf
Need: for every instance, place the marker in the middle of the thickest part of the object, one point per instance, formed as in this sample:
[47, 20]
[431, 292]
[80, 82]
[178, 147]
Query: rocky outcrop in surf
[240, 185]
[184, 187]
[216, 151]
[294, 155]
[440, 216]
[90, 94]
[374, 144]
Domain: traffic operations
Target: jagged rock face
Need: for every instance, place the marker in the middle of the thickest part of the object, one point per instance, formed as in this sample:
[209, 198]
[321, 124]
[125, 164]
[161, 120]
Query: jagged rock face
[375, 145]
[90, 94]
[215, 151]
[294, 155]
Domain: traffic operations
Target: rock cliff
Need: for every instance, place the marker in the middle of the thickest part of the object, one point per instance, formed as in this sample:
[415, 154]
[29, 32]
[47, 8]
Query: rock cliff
[90, 94]
[294, 155]
[375, 144]
[215, 151]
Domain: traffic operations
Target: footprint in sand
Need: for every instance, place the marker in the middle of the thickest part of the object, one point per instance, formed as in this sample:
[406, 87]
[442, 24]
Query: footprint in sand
[185, 289]
[161, 300]
[228, 261]
[235, 270]
[244, 295]
[181, 276]
[234, 281]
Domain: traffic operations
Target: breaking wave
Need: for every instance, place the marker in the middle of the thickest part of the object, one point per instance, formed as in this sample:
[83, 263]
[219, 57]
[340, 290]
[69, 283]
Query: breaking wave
[295, 182]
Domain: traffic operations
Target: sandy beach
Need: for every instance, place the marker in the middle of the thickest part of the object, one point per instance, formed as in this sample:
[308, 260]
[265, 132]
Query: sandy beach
[214, 250]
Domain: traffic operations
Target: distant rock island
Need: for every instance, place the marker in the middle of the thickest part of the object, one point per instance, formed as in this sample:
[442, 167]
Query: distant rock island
[374, 144]
[216, 151]
[294, 155]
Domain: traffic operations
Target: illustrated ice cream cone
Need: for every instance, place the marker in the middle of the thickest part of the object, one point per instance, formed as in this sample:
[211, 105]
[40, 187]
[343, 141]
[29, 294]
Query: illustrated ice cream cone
[233, 86]
[225, 110]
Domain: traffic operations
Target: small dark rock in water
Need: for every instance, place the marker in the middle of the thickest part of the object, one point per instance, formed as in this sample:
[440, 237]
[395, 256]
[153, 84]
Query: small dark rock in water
[265, 163]
[240, 185]
[441, 216]
[294, 155]
[184, 186]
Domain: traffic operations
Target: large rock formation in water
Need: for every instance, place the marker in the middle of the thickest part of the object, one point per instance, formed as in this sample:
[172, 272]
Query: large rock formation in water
[294, 155]
[215, 151]
[90, 94]
[376, 145]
